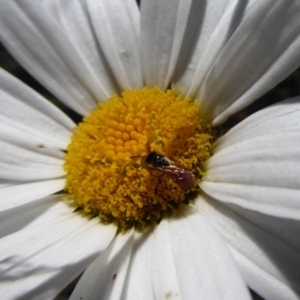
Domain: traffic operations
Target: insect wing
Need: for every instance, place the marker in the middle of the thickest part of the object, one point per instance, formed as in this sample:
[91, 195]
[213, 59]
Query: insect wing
[183, 177]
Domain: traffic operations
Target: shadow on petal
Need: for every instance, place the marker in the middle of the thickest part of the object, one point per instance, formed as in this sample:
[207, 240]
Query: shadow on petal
[271, 243]
[16, 218]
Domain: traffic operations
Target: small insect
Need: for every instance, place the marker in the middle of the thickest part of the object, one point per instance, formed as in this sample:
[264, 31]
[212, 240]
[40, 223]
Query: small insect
[180, 175]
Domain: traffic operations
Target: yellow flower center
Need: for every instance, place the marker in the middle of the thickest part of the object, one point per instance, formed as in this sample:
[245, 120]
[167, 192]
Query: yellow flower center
[137, 155]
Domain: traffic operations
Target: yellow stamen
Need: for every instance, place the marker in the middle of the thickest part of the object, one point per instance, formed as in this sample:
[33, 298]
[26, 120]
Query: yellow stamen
[105, 179]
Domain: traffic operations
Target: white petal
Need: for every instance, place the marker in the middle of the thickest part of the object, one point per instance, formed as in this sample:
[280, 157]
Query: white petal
[163, 25]
[11, 134]
[16, 218]
[115, 24]
[59, 211]
[139, 279]
[39, 264]
[16, 195]
[74, 20]
[232, 16]
[20, 164]
[263, 51]
[282, 117]
[205, 268]
[43, 234]
[164, 274]
[266, 248]
[106, 275]
[35, 39]
[5, 184]
[273, 201]
[260, 281]
[27, 115]
[258, 168]
[210, 25]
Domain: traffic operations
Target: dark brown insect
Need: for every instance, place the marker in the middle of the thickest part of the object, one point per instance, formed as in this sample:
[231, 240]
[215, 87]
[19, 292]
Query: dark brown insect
[180, 175]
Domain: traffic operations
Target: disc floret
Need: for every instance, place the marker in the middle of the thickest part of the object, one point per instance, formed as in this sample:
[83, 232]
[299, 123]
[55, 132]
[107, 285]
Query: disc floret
[105, 161]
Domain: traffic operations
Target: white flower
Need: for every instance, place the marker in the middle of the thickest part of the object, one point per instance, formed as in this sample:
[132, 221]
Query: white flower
[246, 220]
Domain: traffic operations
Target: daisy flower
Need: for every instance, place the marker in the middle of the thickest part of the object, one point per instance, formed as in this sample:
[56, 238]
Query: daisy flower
[155, 205]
